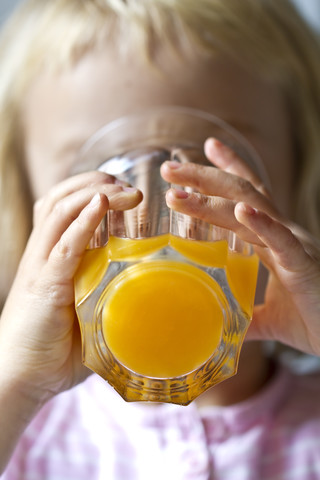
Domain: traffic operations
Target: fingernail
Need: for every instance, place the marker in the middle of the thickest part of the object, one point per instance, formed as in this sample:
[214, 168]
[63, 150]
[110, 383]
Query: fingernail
[210, 146]
[122, 183]
[212, 143]
[180, 194]
[130, 189]
[217, 143]
[247, 209]
[173, 165]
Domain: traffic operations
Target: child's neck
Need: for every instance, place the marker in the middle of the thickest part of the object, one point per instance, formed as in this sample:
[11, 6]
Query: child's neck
[255, 369]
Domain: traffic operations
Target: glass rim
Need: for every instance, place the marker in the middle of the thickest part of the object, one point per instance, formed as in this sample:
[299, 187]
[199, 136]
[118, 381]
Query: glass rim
[121, 139]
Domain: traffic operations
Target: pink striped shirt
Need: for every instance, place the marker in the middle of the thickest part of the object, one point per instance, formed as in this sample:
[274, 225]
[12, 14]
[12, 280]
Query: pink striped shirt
[90, 433]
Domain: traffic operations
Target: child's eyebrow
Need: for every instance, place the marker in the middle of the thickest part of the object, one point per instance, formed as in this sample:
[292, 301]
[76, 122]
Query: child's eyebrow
[72, 147]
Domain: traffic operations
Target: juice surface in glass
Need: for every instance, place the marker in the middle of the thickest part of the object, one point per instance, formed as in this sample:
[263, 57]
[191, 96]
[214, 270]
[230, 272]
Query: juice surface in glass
[164, 318]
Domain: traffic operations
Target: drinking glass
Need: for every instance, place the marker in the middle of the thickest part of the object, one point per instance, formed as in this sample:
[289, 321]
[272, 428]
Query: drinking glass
[164, 300]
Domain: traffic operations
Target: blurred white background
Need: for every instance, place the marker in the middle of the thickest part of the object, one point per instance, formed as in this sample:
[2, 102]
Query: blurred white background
[6, 6]
[309, 8]
[311, 11]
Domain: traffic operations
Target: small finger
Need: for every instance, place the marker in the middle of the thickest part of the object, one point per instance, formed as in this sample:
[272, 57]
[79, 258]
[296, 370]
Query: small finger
[284, 246]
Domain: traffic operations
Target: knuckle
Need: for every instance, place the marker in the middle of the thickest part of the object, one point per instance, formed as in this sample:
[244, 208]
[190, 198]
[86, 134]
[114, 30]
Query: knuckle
[58, 209]
[38, 205]
[291, 241]
[244, 187]
[263, 190]
[206, 201]
[63, 250]
[202, 206]
[52, 195]
[59, 293]
[37, 208]
[197, 173]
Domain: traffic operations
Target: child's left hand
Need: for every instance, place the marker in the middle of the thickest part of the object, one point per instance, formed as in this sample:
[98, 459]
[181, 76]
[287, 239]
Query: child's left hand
[233, 197]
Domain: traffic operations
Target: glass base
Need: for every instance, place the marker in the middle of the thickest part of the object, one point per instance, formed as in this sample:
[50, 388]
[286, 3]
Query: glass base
[181, 388]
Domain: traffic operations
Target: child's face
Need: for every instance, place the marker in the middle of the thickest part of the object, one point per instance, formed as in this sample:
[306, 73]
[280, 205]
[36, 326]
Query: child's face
[61, 112]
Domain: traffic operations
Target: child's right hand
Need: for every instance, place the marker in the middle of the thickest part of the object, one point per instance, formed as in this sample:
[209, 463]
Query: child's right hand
[40, 345]
[233, 197]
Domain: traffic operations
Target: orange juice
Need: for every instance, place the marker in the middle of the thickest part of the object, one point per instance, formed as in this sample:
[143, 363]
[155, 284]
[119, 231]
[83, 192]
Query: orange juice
[242, 273]
[163, 318]
[95, 262]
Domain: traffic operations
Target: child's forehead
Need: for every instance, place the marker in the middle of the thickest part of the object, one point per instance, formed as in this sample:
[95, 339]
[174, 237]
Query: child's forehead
[121, 84]
[103, 87]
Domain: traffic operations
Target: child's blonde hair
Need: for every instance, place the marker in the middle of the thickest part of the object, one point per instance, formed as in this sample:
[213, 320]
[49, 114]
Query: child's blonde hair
[267, 36]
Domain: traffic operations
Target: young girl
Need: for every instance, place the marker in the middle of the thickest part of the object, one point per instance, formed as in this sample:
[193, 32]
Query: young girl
[67, 68]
